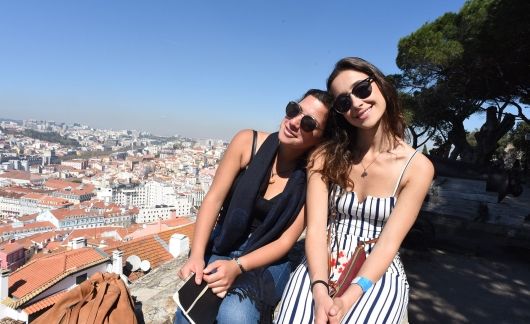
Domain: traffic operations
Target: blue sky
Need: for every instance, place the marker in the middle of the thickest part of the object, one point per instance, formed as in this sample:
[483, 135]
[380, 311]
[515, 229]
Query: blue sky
[195, 68]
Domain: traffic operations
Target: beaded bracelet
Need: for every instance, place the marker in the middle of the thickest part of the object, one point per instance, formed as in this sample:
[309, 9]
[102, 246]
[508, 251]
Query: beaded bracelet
[240, 265]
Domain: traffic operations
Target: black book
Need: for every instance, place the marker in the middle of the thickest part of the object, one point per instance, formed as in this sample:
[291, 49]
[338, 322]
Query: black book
[198, 303]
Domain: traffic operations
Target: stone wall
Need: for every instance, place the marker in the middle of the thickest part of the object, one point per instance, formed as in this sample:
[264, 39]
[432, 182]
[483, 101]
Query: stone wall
[153, 293]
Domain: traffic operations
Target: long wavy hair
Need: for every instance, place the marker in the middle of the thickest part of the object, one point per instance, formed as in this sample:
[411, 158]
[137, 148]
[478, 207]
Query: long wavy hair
[338, 151]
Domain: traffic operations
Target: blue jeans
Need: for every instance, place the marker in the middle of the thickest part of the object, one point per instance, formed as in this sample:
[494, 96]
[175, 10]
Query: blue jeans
[244, 301]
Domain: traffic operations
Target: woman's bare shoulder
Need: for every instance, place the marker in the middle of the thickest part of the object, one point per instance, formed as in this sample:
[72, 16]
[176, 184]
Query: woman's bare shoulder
[242, 143]
[420, 164]
[261, 138]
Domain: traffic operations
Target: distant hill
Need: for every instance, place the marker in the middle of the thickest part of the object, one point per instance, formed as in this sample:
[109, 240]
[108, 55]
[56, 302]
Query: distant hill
[50, 137]
[10, 120]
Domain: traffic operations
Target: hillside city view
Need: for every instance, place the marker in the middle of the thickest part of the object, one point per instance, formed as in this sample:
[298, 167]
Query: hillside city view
[66, 190]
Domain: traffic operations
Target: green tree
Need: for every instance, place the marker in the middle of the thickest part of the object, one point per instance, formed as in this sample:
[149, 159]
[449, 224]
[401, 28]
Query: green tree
[454, 67]
[520, 143]
[50, 137]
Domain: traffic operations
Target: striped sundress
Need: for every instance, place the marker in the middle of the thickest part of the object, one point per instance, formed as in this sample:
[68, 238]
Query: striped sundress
[386, 301]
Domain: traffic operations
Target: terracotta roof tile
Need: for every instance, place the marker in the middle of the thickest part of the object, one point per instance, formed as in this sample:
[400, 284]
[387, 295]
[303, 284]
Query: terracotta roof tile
[94, 233]
[178, 221]
[39, 224]
[44, 303]
[185, 230]
[25, 227]
[93, 203]
[34, 195]
[38, 238]
[146, 248]
[46, 252]
[54, 245]
[10, 247]
[40, 274]
[152, 248]
[60, 184]
[10, 194]
[22, 190]
[15, 174]
[28, 218]
[61, 214]
[54, 201]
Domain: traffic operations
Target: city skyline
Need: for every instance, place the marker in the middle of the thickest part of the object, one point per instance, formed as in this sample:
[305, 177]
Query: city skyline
[77, 123]
[203, 70]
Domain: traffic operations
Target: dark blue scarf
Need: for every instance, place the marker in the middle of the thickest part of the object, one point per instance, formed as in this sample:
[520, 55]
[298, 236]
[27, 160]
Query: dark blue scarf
[235, 223]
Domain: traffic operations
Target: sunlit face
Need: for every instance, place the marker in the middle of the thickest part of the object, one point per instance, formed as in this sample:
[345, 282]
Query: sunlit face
[364, 113]
[293, 135]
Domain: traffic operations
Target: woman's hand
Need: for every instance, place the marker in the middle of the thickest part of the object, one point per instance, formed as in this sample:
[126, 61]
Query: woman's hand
[323, 303]
[220, 275]
[195, 265]
[337, 311]
[341, 305]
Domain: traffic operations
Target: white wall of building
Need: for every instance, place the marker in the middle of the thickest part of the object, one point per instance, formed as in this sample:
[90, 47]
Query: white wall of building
[153, 214]
[149, 194]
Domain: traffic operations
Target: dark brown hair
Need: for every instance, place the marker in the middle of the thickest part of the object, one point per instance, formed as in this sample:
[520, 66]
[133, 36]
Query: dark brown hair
[323, 96]
[338, 150]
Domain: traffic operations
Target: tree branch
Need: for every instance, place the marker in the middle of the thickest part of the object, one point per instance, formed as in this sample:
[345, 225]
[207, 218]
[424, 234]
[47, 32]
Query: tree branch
[520, 112]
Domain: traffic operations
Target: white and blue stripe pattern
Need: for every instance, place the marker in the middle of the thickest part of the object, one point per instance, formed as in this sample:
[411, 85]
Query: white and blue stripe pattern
[386, 301]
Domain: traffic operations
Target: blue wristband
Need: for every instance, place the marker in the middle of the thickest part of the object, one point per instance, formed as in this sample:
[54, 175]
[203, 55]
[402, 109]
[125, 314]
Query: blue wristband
[363, 282]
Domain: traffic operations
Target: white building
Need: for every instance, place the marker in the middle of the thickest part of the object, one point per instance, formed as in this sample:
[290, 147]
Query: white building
[153, 214]
[14, 204]
[68, 219]
[149, 194]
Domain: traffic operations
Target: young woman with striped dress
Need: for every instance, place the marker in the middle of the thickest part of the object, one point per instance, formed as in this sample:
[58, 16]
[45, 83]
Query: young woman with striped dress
[376, 184]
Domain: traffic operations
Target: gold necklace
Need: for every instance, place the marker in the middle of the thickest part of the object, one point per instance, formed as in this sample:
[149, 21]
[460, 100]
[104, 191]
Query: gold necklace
[365, 174]
[280, 172]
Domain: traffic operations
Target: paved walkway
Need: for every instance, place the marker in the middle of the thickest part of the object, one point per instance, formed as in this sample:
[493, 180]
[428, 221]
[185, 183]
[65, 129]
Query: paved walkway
[455, 284]
[475, 265]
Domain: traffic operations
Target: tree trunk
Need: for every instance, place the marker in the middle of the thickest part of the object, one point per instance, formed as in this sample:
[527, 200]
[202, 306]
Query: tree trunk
[414, 136]
[457, 137]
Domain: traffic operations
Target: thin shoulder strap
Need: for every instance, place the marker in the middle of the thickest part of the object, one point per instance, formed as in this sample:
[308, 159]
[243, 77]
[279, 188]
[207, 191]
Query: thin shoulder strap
[254, 140]
[402, 172]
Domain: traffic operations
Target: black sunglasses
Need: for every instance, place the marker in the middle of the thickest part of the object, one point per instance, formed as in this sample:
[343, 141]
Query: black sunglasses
[308, 122]
[362, 90]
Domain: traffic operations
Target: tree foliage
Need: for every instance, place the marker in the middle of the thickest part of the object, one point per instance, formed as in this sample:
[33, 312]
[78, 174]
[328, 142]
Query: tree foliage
[518, 140]
[50, 137]
[455, 66]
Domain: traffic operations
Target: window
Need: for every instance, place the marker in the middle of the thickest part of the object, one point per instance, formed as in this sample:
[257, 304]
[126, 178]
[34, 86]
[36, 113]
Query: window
[80, 279]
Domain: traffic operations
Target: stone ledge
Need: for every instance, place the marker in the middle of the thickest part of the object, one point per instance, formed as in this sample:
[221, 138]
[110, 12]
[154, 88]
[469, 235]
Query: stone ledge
[153, 293]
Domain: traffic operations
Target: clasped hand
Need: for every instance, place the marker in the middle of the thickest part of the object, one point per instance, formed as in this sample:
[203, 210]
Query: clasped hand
[329, 310]
[219, 275]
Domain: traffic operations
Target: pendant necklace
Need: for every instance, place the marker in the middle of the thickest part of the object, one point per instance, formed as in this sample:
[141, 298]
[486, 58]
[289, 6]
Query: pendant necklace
[365, 174]
[280, 172]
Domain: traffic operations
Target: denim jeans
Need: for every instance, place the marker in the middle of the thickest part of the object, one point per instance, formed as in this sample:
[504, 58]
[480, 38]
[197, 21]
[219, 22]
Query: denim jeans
[244, 301]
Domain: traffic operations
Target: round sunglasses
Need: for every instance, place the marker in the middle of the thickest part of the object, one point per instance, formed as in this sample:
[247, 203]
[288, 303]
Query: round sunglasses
[308, 122]
[362, 90]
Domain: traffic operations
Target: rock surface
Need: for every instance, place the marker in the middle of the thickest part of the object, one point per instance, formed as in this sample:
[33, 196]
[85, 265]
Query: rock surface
[153, 293]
